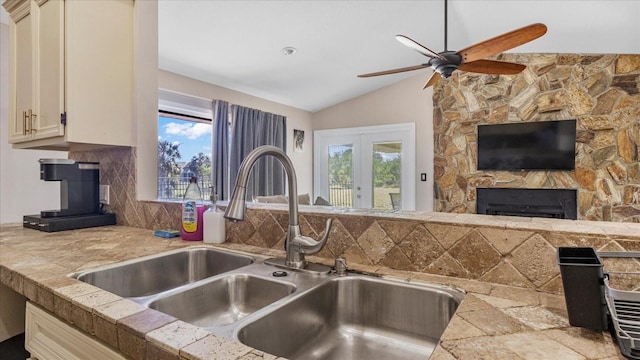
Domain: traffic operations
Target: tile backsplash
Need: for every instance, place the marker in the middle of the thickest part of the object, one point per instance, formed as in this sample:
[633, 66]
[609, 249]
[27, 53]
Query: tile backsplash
[504, 250]
[118, 169]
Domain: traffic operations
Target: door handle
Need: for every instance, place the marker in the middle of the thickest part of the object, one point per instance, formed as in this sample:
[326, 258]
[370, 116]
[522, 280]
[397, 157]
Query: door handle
[30, 122]
[24, 123]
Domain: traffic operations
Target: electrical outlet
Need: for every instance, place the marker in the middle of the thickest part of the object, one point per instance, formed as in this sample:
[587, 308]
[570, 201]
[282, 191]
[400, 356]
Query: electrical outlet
[423, 177]
[104, 194]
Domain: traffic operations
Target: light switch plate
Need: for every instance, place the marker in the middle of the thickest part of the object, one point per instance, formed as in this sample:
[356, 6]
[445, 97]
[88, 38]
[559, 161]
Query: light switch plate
[104, 194]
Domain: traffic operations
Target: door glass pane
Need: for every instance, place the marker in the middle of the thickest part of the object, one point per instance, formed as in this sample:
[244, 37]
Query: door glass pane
[387, 159]
[341, 175]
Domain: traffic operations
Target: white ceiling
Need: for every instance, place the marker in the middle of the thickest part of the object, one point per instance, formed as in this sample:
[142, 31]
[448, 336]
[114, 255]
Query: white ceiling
[237, 44]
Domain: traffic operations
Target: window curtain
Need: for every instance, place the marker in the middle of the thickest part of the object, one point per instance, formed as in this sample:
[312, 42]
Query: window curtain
[253, 128]
[220, 146]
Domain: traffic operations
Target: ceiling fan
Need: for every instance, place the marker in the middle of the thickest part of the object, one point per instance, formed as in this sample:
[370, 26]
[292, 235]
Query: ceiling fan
[471, 58]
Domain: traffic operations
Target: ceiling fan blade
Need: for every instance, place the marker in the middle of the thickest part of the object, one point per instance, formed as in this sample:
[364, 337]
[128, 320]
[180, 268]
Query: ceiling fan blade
[435, 77]
[492, 67]
[394, 71]
[502, 43]
[407, 41]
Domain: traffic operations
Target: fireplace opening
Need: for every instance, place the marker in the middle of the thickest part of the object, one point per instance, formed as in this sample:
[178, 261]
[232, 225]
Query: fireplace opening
[546, 203]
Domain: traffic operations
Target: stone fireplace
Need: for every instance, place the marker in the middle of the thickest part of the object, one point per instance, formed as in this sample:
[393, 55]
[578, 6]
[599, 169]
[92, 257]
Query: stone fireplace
[546, 203]
[602, 92]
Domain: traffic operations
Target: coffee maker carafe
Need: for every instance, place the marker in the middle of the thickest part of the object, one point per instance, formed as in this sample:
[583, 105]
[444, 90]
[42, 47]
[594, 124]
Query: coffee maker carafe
[79, 197]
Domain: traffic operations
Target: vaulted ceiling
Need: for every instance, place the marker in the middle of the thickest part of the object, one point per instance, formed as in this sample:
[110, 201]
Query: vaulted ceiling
[238, 44]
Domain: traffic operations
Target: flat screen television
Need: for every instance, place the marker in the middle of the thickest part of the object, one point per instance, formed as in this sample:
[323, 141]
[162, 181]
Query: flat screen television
[544, 145]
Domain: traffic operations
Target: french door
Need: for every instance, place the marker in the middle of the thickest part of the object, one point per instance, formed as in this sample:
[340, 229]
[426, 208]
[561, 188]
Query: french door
[369, 167]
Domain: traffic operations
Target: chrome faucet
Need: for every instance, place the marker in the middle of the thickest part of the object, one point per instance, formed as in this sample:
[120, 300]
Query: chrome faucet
[296, 244]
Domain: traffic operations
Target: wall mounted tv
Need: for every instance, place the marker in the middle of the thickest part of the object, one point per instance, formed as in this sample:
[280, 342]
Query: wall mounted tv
[544, 145]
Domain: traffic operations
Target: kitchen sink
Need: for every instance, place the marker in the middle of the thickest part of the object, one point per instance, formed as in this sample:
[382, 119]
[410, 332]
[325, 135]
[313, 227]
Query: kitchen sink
[222, 301]
[356, 317]
[140, 278]
[285, 312]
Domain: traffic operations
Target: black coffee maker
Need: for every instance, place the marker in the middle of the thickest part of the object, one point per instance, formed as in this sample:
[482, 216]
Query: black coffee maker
[79, 197]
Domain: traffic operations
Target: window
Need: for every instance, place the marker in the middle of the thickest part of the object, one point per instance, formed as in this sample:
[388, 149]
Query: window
[184, 144]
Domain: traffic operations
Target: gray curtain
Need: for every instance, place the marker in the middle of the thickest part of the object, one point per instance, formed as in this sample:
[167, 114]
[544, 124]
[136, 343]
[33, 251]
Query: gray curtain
[220, 146]
[253, 128]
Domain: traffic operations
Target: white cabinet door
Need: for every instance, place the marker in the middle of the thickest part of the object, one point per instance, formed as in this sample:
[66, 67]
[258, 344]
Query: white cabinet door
[48, 338]
[20, 78]
[49, 71]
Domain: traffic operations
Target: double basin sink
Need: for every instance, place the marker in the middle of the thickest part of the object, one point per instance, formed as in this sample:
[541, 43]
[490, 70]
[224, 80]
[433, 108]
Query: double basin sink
[283, 312]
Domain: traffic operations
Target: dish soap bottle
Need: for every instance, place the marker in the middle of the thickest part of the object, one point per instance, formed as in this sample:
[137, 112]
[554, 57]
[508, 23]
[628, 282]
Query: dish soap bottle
[214, 224]
[192, 210]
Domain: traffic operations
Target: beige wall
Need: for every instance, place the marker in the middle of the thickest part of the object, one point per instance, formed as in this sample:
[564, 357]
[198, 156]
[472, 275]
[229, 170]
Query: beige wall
[402, 102]
[296, 118]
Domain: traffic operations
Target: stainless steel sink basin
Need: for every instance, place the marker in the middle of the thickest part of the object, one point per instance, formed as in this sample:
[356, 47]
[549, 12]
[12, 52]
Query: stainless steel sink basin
[356, 317]
[154, 274]
[222, 301]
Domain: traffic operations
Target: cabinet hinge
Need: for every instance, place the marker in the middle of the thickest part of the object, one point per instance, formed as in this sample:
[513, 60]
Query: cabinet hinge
[63, 118]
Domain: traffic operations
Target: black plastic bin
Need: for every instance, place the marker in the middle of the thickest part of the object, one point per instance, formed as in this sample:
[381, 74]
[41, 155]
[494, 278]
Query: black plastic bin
[583, 282]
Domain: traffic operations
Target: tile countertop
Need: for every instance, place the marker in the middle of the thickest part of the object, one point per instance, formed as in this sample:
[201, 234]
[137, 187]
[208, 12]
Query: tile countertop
[493, 321]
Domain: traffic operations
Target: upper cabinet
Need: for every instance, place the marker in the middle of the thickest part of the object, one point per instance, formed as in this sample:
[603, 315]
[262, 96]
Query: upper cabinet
[71, 73]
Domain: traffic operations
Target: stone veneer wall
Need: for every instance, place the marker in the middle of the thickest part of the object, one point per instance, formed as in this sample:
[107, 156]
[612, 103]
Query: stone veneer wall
[600, 91]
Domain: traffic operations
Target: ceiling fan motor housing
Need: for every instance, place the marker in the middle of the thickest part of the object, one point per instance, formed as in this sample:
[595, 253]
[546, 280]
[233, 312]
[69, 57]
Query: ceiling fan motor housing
[447, 66]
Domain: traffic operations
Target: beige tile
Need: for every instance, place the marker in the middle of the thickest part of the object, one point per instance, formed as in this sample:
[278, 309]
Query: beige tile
[258, 355]
[153, 352]
[500, 302]
[521, 295]
[118, 309]
[535, 346]
[536, 317]
[494, 322]
[505, 240]
[459, 328]
[45, 298]
[95, 299]
[485, 348]
[214, 347]
[536, 259]
[78, 289]
[421, 248]
[447, 235]
[145, 321]
[448, 266]
[439, 353]
[472, 302]
[591, 344]
[131, 345]
[82, 318]
[105, 331]
[375, 243]
[475, 254]
[176, 335]
[63, 308]
[504, 273]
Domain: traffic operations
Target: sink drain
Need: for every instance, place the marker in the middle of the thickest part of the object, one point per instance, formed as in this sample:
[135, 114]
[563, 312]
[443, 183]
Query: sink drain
[279, 273]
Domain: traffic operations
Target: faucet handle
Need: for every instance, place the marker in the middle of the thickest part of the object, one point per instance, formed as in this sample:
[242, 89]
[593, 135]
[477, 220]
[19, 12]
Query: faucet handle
[307, 245]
